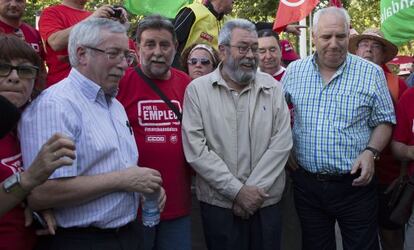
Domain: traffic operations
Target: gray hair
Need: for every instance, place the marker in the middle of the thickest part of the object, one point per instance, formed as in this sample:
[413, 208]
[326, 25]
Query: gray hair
[225, 33]
[331, 10]
[89, 33]
[156, 22]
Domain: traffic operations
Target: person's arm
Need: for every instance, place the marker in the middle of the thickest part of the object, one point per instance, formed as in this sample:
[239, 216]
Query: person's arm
[77, 190]
[381, 119]
[402, 151]
[203, 160]
[59, 39]
[379, 139]
[182, 26]
[275, 157]
[273, 161]
[56, 152]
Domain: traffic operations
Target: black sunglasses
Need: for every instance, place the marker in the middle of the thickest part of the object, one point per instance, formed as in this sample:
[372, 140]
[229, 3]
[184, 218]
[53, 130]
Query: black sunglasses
[204, 61]
[23, 71]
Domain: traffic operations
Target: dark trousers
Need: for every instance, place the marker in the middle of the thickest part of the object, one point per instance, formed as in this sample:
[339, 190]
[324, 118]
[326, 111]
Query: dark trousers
[224, 231]
[90, 239]
[320, 203]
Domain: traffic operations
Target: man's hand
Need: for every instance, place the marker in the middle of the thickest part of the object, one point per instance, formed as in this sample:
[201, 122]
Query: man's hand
[294, 29]
[140, 179]
[240, 212]
[58, 151]
[162, 199]
[250, 198]
[292, 164]
[365, 162]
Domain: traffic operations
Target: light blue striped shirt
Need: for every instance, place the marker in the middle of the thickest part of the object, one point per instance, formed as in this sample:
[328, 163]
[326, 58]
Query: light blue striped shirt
[78, 108]
[333, 122]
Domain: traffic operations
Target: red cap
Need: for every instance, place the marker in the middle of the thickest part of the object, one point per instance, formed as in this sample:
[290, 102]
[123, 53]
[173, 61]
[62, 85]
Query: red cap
[288, 53]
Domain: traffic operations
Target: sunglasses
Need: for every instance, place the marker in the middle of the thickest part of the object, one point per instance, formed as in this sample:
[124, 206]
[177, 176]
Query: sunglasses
[204, 61]
[24, 71]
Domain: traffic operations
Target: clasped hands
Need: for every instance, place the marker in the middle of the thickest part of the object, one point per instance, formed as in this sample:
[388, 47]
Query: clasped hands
[248, 201]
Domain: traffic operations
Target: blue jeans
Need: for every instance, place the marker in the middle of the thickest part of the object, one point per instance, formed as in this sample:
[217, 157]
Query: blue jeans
[320, 203]
[172, 234]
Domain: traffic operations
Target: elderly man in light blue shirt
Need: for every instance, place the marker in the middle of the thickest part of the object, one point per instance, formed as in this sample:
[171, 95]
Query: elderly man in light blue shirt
[94, 199]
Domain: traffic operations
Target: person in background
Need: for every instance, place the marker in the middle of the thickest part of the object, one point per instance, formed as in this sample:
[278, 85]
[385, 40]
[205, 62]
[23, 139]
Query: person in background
[201, 23]
[11, 15]
[288, 53]
[372, 46]
[95, 199]
[270, 55]
[19, 67]
[402, 146]
[199, 59]
[270, 62]
[236, 136]
[55, 24]
[343, 117]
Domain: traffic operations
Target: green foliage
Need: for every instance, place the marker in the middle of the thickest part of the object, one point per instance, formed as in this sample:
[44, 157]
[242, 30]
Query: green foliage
[364, 13]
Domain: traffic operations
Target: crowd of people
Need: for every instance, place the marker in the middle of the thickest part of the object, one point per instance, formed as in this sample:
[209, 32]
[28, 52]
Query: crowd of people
[281, 149]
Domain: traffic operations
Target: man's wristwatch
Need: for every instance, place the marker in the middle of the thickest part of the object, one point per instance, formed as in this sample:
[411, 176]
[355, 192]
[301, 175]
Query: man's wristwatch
[374, 151]
[12, 185]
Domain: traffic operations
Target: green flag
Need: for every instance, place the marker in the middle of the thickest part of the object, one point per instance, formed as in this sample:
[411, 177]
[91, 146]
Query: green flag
[167, 8]
[397, 20]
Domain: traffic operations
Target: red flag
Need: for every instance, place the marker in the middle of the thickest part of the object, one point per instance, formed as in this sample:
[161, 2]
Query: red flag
[336, 3]
[291, 11]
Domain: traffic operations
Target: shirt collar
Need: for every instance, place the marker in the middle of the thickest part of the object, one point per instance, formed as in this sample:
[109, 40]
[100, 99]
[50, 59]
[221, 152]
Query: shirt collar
[89, 88]
[338, 71]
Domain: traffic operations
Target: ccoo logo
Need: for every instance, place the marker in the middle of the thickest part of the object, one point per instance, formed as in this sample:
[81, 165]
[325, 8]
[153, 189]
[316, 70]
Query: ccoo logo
[291, 3]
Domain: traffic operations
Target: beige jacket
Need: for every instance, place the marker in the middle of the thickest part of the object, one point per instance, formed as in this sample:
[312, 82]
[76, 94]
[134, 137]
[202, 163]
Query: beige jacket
[210, 139]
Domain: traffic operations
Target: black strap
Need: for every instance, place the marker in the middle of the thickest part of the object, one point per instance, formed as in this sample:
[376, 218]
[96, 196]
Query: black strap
[159, 93]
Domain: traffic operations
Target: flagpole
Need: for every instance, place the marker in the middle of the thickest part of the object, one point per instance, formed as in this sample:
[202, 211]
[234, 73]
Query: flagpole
[310, 33]
[302, 41]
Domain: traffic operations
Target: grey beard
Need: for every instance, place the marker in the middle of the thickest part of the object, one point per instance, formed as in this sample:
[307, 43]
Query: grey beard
[239, 76]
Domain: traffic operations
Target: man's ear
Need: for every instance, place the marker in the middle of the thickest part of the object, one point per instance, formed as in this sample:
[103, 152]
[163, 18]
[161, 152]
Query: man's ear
[81, 55]
[222, 50]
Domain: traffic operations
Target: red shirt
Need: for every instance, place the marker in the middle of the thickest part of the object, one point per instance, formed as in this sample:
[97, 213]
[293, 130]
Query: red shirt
[31, 36]
[13, 234]
[53, 19]
[388, 168]
[158, 134]
[404, 130]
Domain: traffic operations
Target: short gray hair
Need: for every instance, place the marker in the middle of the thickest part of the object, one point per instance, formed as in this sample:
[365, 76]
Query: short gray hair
[89, 33]
[225, 33]
[155, 22]
[331, 10]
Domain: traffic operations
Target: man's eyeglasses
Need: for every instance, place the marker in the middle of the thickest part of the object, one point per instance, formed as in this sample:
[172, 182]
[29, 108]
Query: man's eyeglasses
[23, 71]
[114, 54]
[244, 49]
[372, 46]
[204, 61]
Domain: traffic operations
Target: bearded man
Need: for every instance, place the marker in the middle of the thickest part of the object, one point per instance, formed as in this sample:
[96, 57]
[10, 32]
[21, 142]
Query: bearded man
[236, 136]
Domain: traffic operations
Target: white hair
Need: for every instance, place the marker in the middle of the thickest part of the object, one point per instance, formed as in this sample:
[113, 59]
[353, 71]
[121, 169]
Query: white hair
[338, 12]
[89, 33]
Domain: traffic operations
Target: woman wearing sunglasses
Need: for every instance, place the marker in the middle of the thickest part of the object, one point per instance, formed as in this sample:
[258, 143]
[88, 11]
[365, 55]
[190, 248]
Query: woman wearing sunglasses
[19, 68]
[199, 59]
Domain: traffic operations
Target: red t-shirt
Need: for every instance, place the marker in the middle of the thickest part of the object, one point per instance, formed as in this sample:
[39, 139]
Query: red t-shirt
[53, 19]
[158, 134]
[31, 36]
[388, 168]
[13, 234]
[404, 130]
